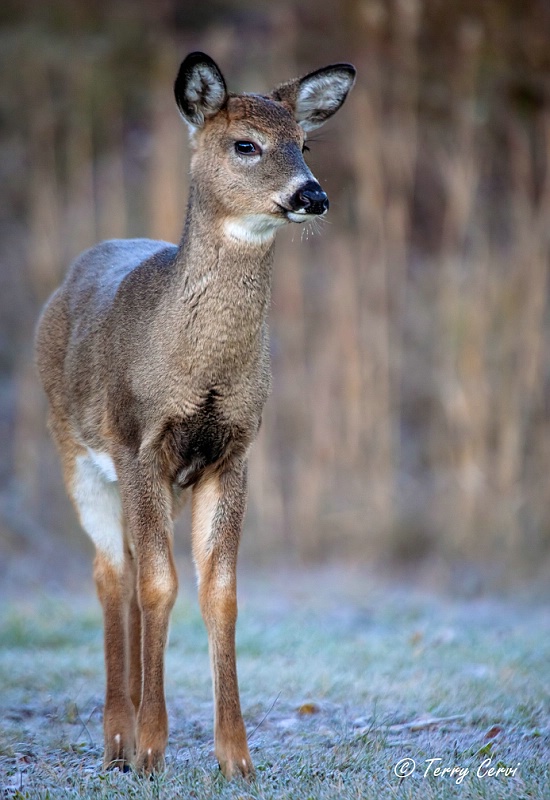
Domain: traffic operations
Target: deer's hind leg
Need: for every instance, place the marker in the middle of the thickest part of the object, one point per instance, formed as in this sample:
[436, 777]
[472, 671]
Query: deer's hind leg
[97, 501]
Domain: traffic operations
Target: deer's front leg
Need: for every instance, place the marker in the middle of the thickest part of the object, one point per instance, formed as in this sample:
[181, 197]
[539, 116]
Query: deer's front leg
[218, 507]
[147, 508]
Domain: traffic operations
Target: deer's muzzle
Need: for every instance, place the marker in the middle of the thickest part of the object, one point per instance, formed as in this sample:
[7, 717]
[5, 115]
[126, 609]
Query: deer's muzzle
[309, 199]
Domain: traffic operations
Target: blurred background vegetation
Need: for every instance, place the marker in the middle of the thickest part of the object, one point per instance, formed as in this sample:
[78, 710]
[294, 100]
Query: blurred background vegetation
[410, 418]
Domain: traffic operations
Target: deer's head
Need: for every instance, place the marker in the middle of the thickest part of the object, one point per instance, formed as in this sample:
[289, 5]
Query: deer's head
[248, 149]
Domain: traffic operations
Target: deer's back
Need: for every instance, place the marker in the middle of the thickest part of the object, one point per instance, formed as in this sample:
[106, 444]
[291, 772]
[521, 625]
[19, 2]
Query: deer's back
[74, 342]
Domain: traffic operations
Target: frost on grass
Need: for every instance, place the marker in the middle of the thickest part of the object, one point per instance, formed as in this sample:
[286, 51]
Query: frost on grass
[340, 690]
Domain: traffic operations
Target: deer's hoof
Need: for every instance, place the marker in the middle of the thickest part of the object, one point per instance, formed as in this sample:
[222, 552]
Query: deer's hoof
[119, 752]
[235, 766]
[149, 761]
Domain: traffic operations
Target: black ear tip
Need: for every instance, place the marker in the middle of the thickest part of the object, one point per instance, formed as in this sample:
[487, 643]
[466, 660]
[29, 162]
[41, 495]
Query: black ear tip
[340, 68]
[196, 57]
[193, 59]
[348, 68]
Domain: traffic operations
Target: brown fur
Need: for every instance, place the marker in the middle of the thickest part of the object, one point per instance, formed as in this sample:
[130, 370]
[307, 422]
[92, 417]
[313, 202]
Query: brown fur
[157, 356]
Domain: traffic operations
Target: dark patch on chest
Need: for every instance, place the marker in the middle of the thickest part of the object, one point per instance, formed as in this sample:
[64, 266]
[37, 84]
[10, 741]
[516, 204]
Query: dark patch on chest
[197, 442]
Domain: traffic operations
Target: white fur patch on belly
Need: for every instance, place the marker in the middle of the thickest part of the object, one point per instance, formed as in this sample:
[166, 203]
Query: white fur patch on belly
[98, 503]
[104, 463]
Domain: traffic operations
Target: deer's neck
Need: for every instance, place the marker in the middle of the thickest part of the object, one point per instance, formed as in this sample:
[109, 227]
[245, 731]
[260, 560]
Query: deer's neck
[214, 253]
[224, 282]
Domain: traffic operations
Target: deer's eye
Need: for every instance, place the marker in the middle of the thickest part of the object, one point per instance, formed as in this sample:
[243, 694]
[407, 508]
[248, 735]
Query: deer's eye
[247, 149]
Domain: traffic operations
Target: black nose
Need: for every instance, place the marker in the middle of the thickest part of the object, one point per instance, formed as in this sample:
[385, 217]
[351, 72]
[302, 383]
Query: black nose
[310, 198]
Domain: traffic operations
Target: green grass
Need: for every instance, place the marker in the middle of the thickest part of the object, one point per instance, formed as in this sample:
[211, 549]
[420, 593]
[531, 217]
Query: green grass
[368, 658]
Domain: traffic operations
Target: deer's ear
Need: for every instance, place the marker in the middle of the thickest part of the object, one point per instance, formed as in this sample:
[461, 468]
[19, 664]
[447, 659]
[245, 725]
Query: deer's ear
[199, 89]
[317, 96]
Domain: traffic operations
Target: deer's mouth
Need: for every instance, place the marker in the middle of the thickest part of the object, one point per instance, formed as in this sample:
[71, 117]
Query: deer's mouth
[299, 215]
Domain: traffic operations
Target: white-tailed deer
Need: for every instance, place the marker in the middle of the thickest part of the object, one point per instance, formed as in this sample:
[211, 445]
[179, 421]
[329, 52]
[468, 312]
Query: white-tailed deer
[155, 362]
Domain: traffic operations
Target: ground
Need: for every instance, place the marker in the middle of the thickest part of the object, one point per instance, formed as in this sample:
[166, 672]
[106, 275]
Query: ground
[351, 687]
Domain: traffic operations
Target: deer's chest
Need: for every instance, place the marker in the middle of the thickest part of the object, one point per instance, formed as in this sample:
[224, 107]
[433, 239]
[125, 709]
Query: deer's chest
[204, 438]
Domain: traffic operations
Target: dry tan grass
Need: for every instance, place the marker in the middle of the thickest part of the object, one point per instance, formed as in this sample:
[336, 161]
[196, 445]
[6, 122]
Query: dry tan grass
[409, 336]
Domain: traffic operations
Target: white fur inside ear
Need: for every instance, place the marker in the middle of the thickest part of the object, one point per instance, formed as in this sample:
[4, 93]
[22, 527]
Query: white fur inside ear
[204, 87]
[320, 96]
[200, 93]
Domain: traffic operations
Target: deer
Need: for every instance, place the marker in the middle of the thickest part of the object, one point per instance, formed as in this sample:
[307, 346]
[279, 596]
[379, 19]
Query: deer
[154, 358]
